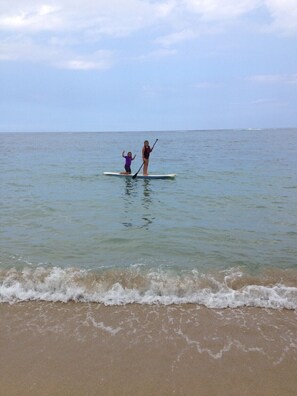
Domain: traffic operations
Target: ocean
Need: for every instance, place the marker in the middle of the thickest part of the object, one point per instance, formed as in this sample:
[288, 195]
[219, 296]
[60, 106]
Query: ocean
[209, 257]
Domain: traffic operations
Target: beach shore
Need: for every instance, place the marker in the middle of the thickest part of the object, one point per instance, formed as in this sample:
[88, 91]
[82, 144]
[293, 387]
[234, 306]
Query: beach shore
[92, 349]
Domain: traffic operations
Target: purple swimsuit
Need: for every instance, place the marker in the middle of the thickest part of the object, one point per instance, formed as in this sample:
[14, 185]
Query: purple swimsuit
[128, 160]
[128, 163]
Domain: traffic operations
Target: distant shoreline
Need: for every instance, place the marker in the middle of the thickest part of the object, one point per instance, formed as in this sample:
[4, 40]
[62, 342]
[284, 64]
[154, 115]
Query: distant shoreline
[248, 129]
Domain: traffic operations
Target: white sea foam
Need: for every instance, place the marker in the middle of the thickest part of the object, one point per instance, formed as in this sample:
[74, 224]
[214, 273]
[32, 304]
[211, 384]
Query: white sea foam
[119, 287]
[102, 326]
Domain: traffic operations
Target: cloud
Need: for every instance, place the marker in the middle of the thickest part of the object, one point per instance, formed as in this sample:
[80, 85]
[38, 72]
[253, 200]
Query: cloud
[217, 10]
[71, 33]
[30, 18]
[208, 15]
[284, 15]
[157, 54]
[114, 17]
[207, 85]
[26, 49]
[177, 37]
[269, 103]
[19, 47]
[290, 79]
[100, 60]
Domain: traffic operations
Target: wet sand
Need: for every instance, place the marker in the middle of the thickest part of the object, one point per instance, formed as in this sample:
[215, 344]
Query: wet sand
[91, 349]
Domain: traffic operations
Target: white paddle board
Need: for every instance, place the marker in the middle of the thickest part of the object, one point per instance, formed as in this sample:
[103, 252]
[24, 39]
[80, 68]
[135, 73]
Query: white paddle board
[166, 176]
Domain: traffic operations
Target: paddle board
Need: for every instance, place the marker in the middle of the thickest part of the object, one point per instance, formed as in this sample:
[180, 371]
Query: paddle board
[168, 176]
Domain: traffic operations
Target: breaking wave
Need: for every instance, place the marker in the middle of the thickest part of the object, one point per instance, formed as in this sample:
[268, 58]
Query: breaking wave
[232, 288]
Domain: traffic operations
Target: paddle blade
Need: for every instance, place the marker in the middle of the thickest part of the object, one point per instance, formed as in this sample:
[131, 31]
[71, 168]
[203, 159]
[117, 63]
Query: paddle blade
[134, 176]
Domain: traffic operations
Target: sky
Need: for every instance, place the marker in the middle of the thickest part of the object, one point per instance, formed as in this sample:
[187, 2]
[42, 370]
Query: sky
[141, 65]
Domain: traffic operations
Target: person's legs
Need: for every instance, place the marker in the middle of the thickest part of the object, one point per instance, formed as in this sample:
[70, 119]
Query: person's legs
[145, 166]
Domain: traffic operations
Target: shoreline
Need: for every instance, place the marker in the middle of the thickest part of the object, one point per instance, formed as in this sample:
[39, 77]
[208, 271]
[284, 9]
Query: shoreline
[91, 349]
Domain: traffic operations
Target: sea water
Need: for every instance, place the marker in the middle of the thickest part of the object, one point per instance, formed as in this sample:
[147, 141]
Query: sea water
[222, 234]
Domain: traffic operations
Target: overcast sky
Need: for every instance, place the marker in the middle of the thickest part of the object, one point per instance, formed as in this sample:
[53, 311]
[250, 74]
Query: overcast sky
[116, 65]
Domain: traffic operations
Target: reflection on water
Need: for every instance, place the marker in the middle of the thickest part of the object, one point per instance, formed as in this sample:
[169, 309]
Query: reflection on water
[147, 193]
[129, 186]
[129, 194]
[146, 203]
[133, 203]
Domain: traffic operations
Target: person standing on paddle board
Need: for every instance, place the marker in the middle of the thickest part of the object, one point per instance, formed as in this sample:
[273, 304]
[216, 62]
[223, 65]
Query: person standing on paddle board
[146, 150]
[128, 159]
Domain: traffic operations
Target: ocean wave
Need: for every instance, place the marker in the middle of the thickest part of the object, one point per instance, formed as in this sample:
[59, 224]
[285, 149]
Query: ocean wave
[225, 289]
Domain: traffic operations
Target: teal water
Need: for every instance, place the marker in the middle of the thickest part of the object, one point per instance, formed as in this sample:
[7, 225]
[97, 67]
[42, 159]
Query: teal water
[223, 233]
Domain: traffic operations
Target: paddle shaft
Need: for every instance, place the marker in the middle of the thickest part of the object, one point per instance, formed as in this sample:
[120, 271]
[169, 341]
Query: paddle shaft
[134, 176]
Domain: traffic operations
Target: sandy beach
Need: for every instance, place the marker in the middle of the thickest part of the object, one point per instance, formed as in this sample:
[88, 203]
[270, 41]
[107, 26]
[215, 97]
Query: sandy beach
[91, 349]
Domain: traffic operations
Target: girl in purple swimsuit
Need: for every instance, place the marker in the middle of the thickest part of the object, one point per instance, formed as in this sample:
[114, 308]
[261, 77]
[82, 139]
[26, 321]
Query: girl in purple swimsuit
[128, 159]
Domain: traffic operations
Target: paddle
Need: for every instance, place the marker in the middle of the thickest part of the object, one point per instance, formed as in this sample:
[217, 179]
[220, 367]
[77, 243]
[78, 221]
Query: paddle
[134, 176]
